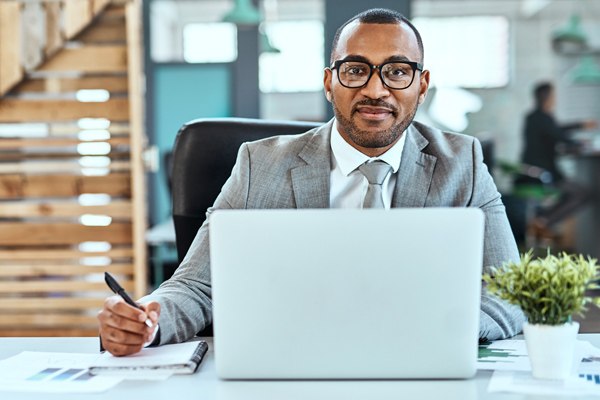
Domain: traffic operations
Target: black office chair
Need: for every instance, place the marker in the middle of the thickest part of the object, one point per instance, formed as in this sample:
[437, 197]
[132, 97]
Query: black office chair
[488, 152]
[204, 153]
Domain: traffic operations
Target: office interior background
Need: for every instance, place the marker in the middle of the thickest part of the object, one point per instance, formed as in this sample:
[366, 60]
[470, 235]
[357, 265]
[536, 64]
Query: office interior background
[101, 87]
[484, 56]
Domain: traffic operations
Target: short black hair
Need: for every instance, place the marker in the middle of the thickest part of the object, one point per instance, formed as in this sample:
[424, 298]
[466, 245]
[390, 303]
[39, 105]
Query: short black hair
[541, 93]
[378, 16]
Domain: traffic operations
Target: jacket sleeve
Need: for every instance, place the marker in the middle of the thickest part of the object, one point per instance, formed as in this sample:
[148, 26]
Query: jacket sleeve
[185, 299]
[498, 319]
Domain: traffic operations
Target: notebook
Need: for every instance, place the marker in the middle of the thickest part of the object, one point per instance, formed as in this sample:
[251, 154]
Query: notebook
[181, 358]
[346, 294]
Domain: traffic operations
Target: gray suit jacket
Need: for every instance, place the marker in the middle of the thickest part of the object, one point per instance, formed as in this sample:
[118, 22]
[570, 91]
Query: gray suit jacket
[438, 169]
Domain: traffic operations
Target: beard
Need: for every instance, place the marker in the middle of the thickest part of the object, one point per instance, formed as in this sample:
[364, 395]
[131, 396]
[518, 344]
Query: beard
[373, 139]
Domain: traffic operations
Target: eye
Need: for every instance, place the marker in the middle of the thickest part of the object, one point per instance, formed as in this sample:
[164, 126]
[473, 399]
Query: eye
[397, 71]
[355, 69]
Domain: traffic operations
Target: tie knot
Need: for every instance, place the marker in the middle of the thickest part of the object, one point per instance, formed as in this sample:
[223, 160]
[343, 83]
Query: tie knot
[375, 171]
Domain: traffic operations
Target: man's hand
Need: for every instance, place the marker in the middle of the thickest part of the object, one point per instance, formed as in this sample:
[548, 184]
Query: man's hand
[122, 327]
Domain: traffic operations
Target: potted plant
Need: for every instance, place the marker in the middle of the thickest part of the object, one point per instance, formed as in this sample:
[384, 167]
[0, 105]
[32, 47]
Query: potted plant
[550, 291]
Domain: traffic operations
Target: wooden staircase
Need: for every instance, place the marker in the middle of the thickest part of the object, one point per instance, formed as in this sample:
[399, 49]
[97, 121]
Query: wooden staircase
[72, 190]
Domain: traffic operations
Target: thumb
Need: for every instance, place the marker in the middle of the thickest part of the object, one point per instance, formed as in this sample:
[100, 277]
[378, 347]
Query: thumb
[152, 309]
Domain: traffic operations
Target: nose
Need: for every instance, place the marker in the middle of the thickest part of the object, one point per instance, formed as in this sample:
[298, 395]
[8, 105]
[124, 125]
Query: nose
[375, 89]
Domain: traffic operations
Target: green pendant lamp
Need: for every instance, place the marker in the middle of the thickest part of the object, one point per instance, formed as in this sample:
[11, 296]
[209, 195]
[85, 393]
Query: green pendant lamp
[571, 36]
[243, 13]
[265, 45]
[587, 71]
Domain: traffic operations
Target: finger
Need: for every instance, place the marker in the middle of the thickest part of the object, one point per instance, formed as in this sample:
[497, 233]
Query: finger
[151, 306]
[152, 310]
[118, 306]
[120, 349]
[110, 335]
[116, 321]
[120, 336]
[116, 314]
[126, 311]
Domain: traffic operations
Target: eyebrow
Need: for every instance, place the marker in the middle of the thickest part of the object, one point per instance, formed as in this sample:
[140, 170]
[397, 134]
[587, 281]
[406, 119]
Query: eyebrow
[356, 57]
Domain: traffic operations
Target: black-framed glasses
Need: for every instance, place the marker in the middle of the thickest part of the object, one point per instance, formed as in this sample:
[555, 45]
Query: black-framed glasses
[396, 75]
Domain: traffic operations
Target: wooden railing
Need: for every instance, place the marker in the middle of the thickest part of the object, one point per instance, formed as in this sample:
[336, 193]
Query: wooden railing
[32, 31]
[72, 192]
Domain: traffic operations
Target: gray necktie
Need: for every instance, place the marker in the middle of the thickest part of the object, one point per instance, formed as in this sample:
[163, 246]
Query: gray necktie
[375, 172]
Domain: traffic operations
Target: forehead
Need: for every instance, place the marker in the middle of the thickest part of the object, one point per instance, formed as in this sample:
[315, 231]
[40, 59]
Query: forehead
[378, 42]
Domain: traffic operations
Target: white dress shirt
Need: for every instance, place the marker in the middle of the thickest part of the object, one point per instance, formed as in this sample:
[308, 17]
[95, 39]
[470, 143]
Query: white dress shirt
[348, 185]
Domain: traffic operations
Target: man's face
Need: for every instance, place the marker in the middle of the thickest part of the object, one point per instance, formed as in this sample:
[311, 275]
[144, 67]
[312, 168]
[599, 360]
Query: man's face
[373, 117]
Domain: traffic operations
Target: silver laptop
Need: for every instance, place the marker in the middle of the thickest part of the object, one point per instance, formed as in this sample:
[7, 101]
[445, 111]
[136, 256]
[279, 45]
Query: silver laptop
[346, 294]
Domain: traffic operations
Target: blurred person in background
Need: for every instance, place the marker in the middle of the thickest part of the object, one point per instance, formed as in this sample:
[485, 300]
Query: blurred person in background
[543, 136]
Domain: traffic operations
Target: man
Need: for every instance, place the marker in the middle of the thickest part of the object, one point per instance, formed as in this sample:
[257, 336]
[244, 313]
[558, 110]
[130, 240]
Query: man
[542, 137]
[375, 83]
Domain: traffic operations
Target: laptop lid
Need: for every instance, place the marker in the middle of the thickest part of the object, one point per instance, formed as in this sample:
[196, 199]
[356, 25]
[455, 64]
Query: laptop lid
[346, 294]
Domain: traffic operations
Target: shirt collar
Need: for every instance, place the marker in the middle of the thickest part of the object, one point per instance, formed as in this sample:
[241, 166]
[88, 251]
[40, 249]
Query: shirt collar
[348, 158]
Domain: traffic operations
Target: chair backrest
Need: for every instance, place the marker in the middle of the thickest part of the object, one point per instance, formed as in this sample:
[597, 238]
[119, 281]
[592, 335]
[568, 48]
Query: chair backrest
[487, 148]
[203, 156]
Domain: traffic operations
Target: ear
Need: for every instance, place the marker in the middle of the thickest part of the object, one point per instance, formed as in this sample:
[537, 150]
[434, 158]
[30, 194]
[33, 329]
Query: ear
[327, 76]
[423, 86]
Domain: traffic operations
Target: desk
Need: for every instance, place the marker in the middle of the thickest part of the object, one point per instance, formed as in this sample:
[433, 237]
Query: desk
[205, 385]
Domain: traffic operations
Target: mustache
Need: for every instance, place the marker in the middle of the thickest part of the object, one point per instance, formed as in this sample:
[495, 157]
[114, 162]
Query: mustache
[374, 103]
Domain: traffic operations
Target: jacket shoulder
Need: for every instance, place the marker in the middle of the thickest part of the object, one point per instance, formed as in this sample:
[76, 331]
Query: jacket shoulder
[285, 140]
[442, 143]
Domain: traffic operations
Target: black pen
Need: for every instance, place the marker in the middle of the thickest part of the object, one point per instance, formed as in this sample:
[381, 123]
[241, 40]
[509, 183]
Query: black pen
[115, 287]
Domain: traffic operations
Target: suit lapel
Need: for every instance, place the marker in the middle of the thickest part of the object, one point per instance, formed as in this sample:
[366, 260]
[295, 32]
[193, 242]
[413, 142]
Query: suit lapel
[310, 179]
[415, 173]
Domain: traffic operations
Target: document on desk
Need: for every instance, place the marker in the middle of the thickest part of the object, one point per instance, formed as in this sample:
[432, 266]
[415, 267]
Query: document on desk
[504, 355]
[511, 355]
[52, 373]
[584, 380]
[524, 383]
[153, 362]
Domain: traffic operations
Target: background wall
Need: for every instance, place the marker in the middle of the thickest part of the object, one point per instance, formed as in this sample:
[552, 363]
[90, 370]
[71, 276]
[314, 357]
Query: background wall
[183, 92]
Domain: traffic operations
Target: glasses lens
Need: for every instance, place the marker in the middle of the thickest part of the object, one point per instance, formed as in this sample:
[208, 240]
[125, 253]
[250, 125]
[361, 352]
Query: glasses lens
[397, 75]
[354, 73]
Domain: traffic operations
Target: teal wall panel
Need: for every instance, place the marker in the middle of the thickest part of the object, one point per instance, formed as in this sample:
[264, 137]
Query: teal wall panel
[182, 92]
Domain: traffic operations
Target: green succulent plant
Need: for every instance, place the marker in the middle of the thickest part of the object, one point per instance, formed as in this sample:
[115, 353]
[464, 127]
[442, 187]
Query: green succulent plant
[549, 290]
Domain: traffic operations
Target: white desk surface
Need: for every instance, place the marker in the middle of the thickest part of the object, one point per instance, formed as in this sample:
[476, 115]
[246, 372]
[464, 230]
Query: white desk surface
[205, 385]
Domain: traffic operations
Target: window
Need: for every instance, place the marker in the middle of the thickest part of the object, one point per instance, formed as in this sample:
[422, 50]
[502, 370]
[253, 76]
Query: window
[468, 52]
[191, 31]
[209, 42]
[299, 65]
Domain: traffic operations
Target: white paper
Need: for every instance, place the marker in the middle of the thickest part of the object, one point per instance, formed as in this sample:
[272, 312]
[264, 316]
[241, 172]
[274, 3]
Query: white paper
[504, 355]
[585, 379]
[138, 374]
[525, 383]
[52, 373]
[511, 355]
[590, 358]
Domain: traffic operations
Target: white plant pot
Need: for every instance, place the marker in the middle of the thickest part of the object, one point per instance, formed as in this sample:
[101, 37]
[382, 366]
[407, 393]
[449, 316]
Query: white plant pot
[551, 349]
